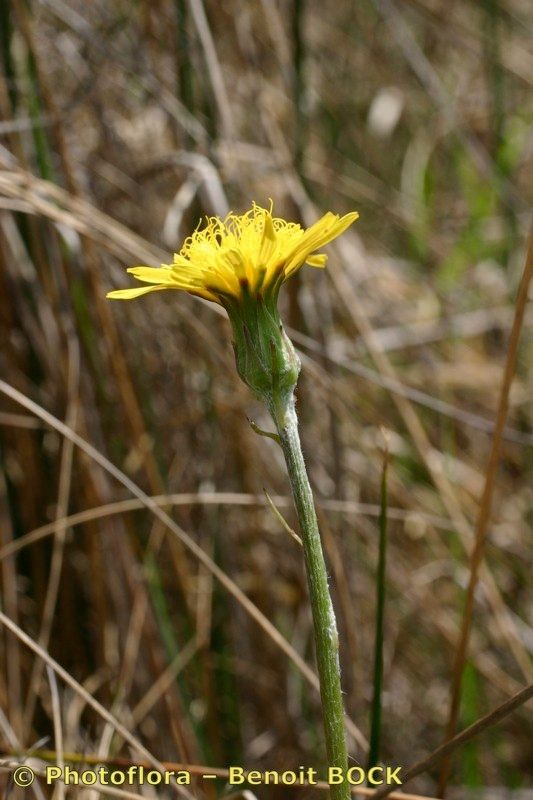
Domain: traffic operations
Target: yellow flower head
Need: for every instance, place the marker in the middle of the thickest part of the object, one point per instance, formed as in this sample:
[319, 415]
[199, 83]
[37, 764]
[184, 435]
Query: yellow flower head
[251, 254]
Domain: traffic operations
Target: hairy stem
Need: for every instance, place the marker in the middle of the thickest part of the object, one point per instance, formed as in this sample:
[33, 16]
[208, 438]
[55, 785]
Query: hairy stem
[326, 638]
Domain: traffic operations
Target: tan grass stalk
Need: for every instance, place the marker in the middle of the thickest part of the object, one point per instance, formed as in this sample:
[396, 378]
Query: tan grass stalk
[483, 724]
[502, 618]
[184, 538]
[60, 532]
[485, 507]
[87, 697]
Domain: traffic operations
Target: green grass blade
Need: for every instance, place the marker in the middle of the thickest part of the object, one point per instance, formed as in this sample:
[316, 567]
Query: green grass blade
[375, 720]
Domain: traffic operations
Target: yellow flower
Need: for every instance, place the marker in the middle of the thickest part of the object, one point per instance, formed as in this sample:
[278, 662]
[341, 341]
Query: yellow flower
[249, 254]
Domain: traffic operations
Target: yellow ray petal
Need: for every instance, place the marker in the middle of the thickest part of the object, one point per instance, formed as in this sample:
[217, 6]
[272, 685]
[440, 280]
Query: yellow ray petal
[219, 276]
[172, 278]
[215, 260]
[318, 260]
[268, 242]
[129, 294]
[323, 231]
[202, 291]
[158, 275]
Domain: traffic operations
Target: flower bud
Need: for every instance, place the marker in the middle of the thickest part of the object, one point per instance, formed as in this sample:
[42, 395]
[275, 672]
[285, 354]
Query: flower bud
[266, 359]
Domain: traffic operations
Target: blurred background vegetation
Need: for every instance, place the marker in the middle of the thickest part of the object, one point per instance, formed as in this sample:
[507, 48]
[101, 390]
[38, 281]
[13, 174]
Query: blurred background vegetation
[122, 124]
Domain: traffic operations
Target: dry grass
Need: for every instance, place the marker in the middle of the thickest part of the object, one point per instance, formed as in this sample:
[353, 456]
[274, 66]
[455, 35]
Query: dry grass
[139, 557]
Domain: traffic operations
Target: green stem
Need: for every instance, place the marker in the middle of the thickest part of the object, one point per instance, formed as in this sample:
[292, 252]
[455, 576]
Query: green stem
[375, 726]
[326, 637]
